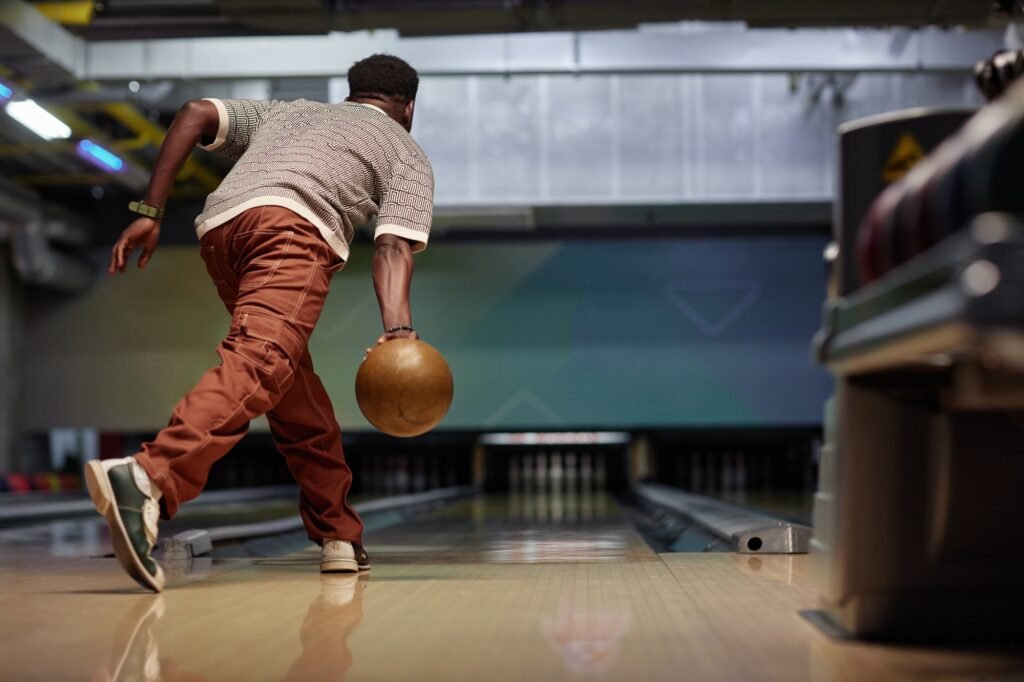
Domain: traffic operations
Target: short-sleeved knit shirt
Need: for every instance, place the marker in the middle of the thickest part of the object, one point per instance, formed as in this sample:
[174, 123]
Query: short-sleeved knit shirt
[336, 165]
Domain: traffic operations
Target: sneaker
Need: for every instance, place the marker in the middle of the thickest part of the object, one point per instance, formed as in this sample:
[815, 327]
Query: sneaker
[123, 494]
[339, 556]
[362, 558]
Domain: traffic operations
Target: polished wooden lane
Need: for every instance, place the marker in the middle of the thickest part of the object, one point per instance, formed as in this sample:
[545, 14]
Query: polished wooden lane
[519, 588]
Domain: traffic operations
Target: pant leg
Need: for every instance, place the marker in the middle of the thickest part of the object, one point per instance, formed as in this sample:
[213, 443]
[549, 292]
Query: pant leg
[278, 269]
[307, 434]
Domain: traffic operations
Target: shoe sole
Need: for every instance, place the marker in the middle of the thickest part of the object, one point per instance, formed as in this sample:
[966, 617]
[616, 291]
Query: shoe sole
[106, 504]
[339, 566]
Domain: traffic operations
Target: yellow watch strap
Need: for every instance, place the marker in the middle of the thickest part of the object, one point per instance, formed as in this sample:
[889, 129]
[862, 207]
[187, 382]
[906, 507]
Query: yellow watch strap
[145, 209]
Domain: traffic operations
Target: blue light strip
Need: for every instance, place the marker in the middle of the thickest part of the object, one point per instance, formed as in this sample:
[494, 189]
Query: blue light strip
[5, 92]
[98, 156]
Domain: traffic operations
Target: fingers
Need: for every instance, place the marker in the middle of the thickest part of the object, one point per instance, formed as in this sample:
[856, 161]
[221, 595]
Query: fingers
[147, 253]
[117, 256]
[123, 250]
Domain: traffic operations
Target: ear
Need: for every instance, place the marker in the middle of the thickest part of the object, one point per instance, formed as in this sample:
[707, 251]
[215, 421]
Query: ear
[410, 108]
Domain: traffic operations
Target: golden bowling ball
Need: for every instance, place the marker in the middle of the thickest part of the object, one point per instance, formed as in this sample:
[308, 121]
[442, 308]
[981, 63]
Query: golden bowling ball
[404, 387]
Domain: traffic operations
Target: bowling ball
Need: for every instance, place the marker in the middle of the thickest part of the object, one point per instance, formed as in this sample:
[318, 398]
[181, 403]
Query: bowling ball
[954, 204]
[992, 177]
[872, 252]
[941, 197]
[404, 387]
[910, 239]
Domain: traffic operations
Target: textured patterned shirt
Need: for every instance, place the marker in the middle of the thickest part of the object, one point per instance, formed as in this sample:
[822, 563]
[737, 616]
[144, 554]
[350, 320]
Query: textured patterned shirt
[336, 165]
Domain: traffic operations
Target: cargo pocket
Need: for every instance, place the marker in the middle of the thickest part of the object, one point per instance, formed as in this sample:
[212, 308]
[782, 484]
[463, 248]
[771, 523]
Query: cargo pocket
[267, 342]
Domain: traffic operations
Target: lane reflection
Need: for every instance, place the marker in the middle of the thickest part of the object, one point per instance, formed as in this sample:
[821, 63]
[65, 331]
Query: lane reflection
[331, 618]
[324, 653]
[588, 641]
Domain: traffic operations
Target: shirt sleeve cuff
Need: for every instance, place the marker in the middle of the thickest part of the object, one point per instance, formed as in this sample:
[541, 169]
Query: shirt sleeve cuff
[222, 126]
[417, 237]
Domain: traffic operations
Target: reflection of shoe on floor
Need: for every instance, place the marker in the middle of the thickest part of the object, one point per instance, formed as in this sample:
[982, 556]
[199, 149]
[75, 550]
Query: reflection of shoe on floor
[189, 570]
[134, 654]
[338, 556]
[338, 589]
[124, 495]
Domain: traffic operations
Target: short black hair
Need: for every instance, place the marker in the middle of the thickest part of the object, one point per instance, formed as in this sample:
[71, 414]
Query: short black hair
[383, 74]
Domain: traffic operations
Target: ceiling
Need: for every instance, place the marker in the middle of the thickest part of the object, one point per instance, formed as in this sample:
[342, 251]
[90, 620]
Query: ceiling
[132, 125]
[135, 19]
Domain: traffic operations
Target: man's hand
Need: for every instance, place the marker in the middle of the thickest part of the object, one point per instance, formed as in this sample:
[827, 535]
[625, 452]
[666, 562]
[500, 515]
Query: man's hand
[400, 334]
[144, 233]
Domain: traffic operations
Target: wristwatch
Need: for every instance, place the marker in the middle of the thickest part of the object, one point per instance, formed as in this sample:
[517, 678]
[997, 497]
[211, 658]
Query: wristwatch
[142, 208]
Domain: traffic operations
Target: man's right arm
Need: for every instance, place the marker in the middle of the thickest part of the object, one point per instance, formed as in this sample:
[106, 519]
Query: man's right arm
[196, 120]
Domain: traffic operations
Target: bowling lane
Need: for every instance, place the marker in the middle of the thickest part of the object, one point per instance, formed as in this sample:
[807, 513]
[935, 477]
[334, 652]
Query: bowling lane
[506, 588]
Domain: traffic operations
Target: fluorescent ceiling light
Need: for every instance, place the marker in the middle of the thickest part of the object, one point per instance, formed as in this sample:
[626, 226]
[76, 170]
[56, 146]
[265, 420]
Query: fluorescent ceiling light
[38, 120]
[98, 156]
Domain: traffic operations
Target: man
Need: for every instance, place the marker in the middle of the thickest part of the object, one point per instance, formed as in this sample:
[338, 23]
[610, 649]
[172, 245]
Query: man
[272, 235]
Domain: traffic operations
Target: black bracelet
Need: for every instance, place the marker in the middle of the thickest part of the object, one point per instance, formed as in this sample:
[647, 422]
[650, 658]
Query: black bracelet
[401, 328]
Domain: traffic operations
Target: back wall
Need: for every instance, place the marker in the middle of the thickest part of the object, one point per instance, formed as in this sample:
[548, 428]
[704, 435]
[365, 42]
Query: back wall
[540, 335]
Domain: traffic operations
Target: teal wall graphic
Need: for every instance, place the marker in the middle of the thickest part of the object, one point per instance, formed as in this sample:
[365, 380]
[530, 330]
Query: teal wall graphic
[550, 335]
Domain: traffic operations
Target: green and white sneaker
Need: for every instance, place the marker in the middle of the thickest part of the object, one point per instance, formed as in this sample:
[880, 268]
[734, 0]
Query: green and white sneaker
[127, 499]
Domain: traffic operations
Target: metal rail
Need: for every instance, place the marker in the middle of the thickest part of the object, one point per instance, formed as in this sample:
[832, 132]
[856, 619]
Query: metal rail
[196, 542]
[745, 531]
[40, 511]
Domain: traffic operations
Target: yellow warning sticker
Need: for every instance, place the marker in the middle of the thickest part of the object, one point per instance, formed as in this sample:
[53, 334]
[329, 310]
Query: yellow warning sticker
[904, 156]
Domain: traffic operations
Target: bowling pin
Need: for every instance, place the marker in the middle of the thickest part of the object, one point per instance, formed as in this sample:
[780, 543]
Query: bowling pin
[419, 479]
[513, 475]
[542, 472]
[556, 473]
[696, 473]
[586, 473]
[528, 475]
[572, 474]
[727, 475]
[741, 476]
[402, 474]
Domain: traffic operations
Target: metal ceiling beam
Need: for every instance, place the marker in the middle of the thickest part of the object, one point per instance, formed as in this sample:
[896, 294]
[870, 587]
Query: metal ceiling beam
[43, 34]
[713, 51]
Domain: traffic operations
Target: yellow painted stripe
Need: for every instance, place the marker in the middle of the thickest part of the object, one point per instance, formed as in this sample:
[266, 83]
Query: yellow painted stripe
[71, 13]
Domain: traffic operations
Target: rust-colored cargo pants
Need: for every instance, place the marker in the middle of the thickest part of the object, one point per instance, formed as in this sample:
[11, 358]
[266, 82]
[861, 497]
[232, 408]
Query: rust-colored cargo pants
[272, 269]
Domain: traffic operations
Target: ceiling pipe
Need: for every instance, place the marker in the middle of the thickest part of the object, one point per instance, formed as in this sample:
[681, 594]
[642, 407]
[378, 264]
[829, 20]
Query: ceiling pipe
[35, 236]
